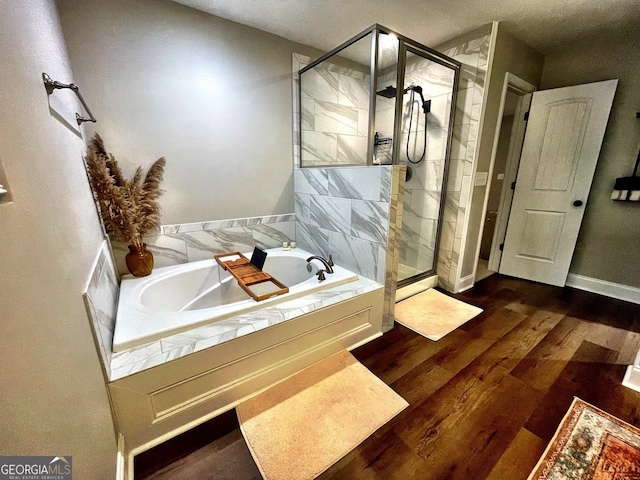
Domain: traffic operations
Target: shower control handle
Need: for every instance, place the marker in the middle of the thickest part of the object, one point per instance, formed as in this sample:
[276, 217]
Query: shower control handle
[577, 203]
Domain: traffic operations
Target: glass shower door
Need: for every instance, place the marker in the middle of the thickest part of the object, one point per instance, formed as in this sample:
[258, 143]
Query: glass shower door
[425, 130]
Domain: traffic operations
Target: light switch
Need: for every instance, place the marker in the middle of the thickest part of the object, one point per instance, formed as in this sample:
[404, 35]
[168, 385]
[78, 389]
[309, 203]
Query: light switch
[481, 178]
[500, 176]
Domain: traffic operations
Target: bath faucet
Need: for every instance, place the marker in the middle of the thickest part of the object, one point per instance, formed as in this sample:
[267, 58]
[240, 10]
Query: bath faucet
[328, 264]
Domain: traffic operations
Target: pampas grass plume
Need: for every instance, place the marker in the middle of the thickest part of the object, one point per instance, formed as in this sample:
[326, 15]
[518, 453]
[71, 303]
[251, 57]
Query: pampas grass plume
[129, 208]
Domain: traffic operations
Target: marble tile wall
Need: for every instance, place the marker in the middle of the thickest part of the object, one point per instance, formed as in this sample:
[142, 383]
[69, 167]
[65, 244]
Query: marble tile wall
[351, 213]
[101, 300]
[334, 114]
[353, 199]
[398, 173]
[473, 55]
[190, 242]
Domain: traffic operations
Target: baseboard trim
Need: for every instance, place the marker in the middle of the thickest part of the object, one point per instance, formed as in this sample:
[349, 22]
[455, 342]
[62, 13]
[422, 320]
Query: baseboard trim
[632, 379]
[602, 287]
[122, 472]
[465, 283]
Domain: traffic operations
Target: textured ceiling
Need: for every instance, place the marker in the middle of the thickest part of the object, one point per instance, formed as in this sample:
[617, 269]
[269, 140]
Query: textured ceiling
[324, 24]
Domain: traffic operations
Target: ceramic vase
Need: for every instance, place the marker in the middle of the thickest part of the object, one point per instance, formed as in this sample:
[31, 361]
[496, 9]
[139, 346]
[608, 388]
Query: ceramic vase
[139, 260]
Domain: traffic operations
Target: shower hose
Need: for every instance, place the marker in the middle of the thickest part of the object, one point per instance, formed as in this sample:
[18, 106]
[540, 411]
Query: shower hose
[412, 101]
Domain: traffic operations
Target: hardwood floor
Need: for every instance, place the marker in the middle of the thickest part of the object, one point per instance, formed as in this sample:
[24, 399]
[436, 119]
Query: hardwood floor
[484, 401]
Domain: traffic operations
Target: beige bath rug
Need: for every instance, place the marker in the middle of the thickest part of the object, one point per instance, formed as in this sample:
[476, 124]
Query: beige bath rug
[433, 314]
[303, 425]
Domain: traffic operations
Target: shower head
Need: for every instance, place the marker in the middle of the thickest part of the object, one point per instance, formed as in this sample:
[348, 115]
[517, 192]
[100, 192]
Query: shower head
[389, 92]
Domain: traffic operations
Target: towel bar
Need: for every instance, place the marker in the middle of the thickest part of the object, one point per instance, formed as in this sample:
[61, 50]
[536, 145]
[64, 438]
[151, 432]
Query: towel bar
[52, 85]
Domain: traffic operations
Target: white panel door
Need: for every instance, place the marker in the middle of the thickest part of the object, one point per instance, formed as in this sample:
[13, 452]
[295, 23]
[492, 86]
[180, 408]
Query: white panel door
[559, 156]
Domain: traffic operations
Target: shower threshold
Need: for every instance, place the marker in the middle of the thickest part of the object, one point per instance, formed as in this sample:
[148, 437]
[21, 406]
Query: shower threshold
[416, 287]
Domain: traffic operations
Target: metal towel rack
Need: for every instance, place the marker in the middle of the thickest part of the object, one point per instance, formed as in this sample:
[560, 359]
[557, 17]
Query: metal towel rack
[52, 85]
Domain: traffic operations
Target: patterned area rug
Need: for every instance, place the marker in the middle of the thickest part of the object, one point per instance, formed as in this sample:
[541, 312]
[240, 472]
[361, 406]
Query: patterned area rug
[433, 314]
[591, 445]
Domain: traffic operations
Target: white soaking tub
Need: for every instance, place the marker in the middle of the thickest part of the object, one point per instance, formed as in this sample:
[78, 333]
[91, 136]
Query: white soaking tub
[179, 298]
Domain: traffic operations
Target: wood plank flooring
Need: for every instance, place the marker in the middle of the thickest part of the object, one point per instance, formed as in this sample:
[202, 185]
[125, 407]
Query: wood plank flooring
[484, 401]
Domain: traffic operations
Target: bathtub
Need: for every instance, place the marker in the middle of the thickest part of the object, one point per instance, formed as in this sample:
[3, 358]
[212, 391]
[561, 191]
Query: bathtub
[179, 298]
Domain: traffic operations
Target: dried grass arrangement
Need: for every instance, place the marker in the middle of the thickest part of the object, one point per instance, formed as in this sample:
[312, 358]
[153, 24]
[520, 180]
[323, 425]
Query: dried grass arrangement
[129, 208]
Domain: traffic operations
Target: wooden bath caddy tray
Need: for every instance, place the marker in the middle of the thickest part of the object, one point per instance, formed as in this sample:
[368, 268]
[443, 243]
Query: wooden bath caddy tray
[257, 283]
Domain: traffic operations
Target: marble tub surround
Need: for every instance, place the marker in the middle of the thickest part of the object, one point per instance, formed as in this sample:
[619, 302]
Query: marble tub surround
[352, 213]
[183, 297]
[101, 299]
[191, 242]
[344, 212]
[134, 360]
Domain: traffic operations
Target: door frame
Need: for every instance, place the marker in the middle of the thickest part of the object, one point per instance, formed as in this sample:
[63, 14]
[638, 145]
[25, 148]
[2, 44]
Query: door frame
[524, 89]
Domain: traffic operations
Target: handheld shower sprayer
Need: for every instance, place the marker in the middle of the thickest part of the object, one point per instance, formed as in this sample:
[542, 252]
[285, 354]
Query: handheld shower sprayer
[426, 108]
[426, 104]
[392, 92]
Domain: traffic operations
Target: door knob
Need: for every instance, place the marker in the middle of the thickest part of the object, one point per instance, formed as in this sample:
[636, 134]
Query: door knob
[577, 203]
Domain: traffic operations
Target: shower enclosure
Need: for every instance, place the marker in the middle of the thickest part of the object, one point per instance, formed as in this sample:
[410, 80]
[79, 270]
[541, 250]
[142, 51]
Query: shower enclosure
[380, 99]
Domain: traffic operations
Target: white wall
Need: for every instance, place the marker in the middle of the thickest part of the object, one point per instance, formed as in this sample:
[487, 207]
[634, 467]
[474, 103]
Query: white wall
[607, 247]
[211, 95]
[54, 400]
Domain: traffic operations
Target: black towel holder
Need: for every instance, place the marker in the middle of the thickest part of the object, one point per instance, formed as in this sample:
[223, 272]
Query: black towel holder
[625, 185]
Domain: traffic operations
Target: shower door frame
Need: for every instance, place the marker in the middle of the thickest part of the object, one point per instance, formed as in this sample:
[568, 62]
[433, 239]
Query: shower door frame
[409, 46]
